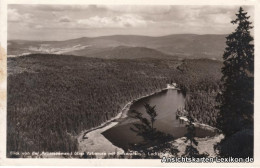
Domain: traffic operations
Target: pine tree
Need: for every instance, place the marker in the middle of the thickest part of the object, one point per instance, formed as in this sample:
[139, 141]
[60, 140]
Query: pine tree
[190, 151]
[236, 98]
[191, 148]
[153, 139]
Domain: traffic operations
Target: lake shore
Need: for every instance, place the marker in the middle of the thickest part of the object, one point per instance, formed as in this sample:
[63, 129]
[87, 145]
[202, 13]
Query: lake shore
[92, 140]
[200, 125]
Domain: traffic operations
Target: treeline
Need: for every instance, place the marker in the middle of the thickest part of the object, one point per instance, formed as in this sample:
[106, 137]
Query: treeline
[52, 98]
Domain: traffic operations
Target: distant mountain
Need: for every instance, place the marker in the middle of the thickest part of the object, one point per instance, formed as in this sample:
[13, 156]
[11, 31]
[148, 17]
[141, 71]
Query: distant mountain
[124, 52]
[181, 45]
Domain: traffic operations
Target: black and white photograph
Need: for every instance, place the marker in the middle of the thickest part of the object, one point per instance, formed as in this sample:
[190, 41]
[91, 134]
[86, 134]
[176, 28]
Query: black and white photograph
[168, 82]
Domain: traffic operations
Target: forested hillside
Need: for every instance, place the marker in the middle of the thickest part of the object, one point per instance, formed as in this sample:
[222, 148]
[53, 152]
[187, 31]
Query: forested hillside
[204, 76]
[52, 98]
[124, 52]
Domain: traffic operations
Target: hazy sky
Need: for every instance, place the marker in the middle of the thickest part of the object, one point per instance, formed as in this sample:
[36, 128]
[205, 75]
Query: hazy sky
[60, 22]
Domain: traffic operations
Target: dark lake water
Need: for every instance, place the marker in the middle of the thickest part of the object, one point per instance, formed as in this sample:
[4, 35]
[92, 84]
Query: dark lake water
[167, 102]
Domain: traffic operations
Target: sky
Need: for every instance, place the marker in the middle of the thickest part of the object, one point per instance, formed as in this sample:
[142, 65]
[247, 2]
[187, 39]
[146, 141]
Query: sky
[62, 22]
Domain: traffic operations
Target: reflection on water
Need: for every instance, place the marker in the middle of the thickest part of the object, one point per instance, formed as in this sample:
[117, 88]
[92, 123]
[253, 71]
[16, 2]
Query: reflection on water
[167, 102]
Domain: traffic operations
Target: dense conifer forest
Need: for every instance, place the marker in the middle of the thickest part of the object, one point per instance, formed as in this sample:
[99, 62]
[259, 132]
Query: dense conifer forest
[52, 98]
[201, 79]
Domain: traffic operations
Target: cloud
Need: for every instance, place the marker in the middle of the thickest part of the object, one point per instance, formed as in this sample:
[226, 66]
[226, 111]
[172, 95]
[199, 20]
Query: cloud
[98, 20]
[57, 8]
[138, 9]
[65, 19]
[54, 14]
[38, 26]
[122, 21]
[49, 8]
[15, 16]
[219, 18]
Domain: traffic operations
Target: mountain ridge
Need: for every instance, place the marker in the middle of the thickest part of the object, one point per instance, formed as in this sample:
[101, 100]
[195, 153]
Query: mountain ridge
[117, 35]
[184, 45]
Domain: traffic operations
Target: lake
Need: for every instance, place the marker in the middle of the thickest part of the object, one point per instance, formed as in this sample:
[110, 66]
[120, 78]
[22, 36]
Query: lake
[167, 102]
